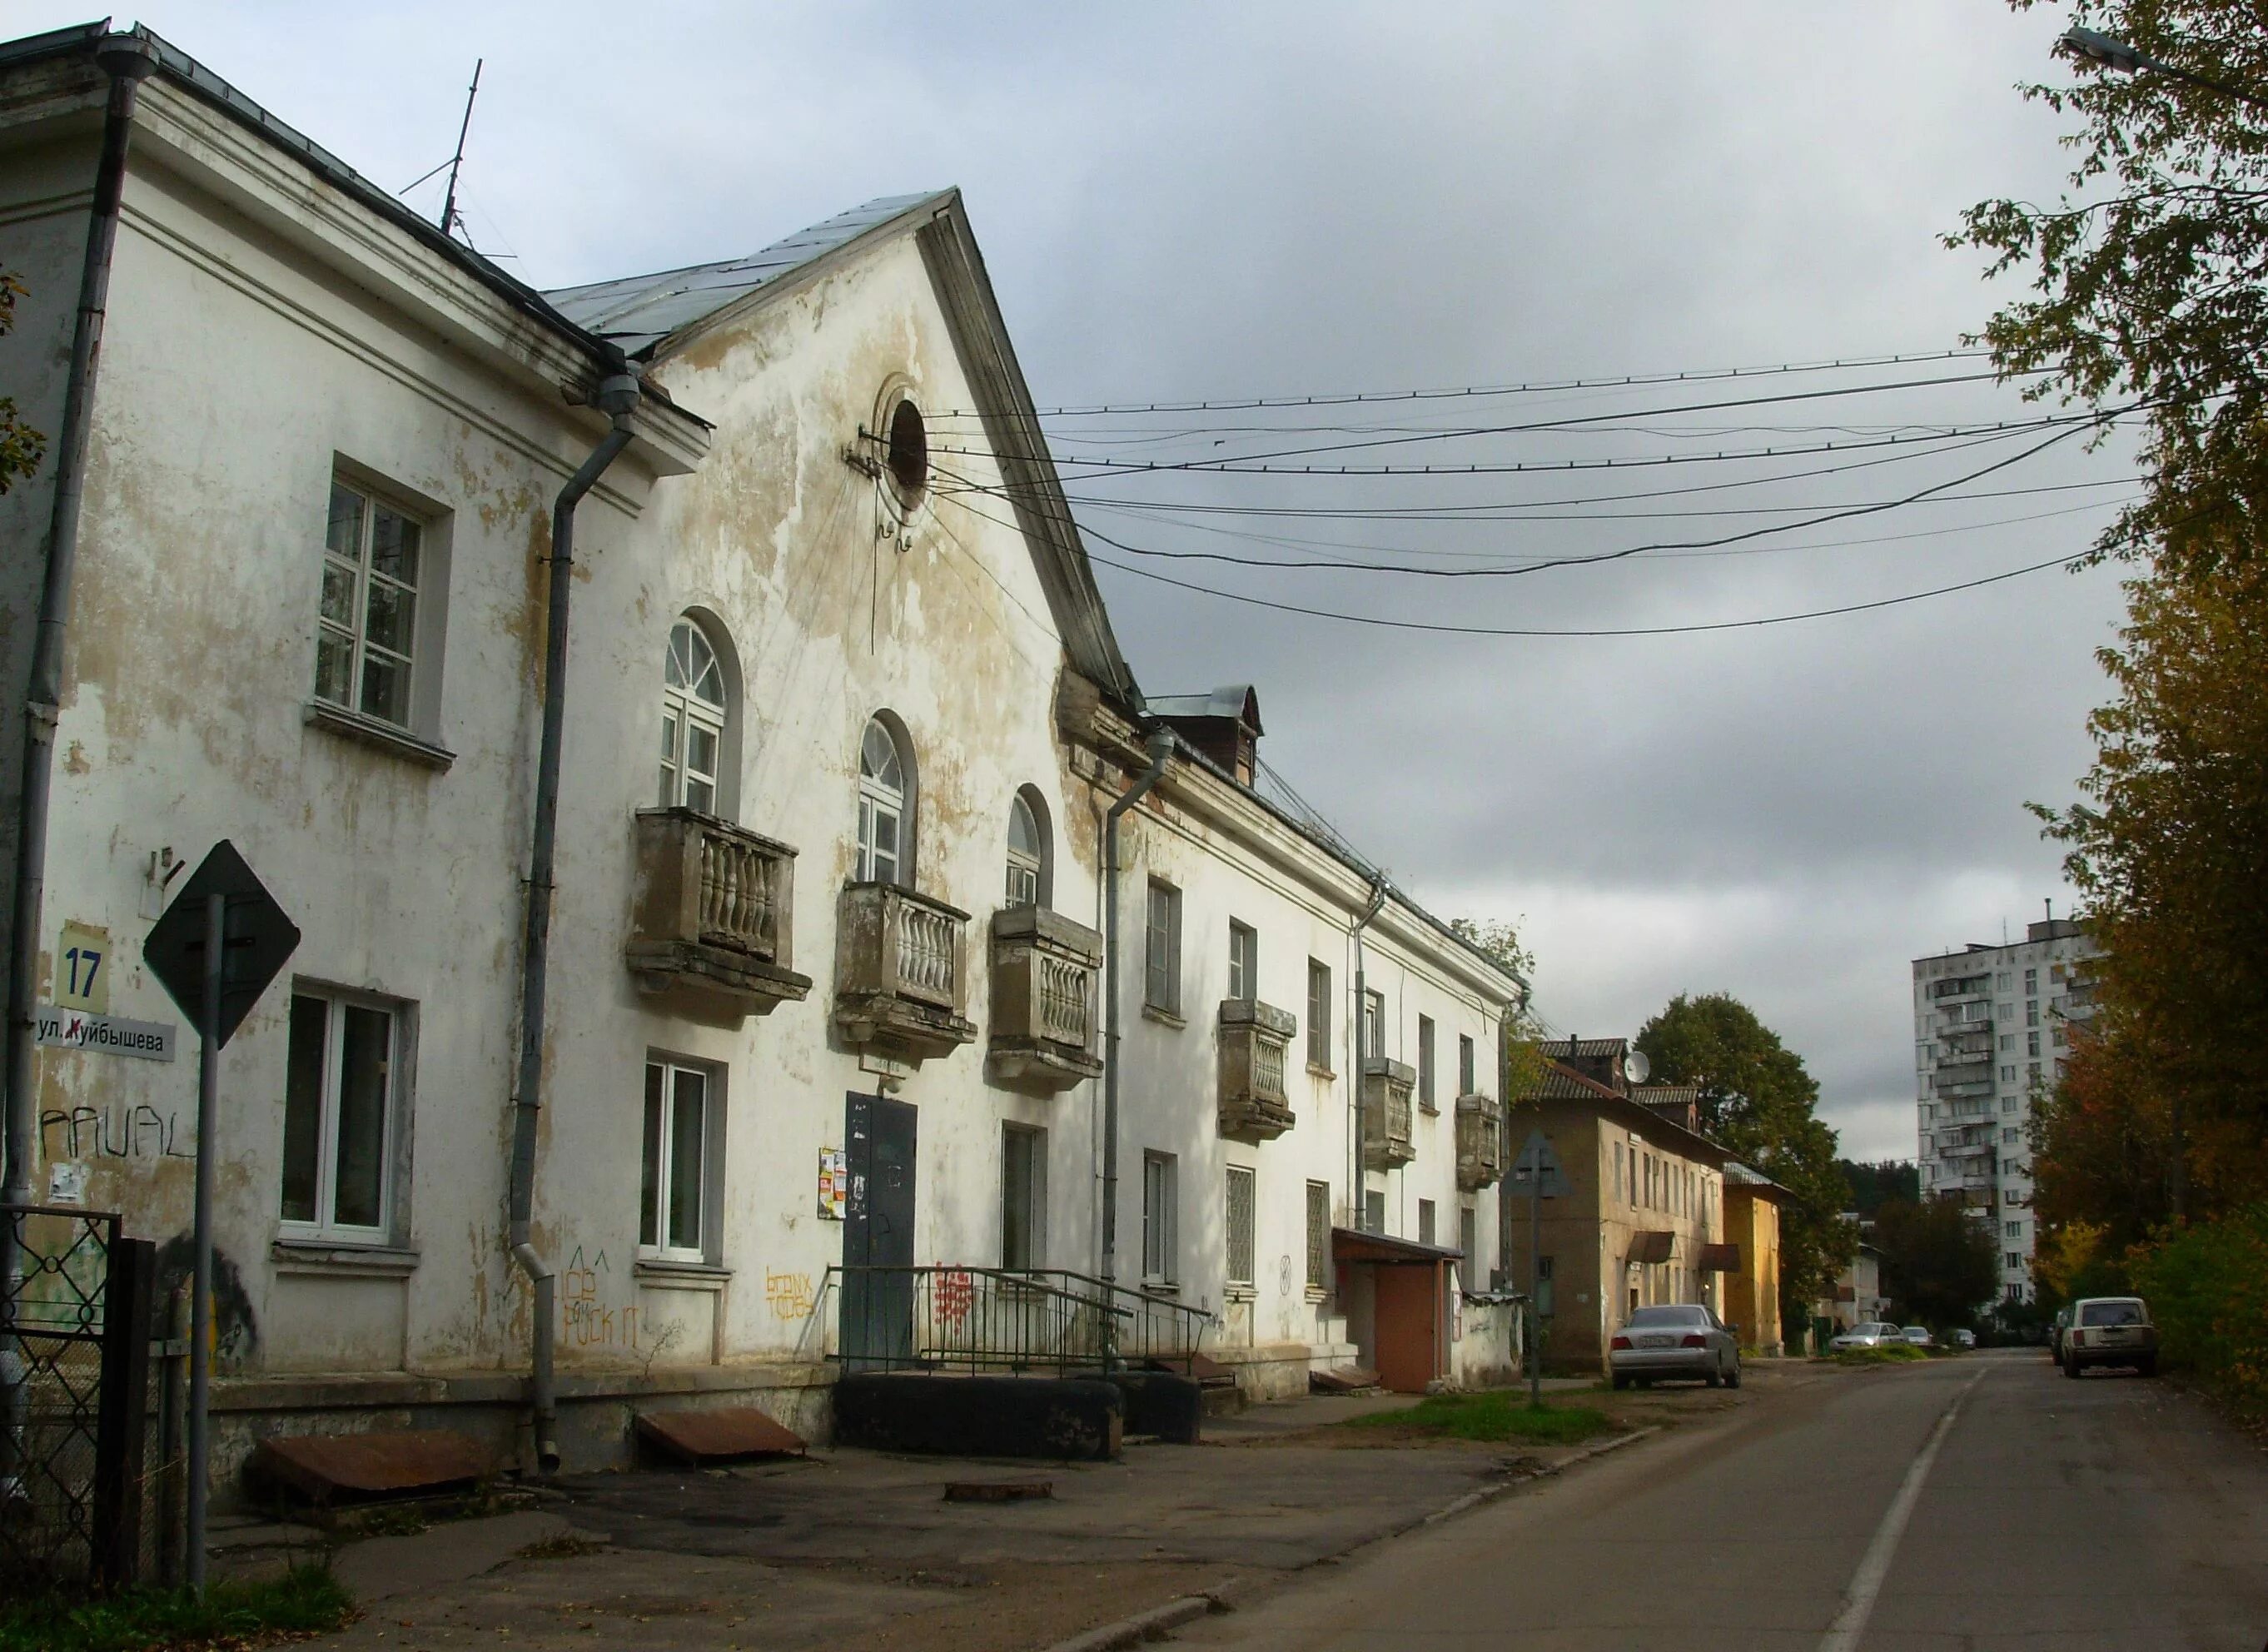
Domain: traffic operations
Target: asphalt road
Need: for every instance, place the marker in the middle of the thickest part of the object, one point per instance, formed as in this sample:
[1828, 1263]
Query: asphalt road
[1985, 1503]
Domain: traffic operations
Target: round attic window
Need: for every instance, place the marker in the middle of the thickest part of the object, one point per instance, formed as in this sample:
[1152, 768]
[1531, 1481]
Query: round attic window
[909, 451]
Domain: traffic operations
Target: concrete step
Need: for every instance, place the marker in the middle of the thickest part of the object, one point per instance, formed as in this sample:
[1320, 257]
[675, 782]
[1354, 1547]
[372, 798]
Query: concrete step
[1224, 1399]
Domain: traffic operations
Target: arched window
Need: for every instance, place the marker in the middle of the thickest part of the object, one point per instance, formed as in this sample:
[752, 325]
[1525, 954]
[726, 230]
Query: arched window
[885, 808]
[1027, 851]
[692, 706]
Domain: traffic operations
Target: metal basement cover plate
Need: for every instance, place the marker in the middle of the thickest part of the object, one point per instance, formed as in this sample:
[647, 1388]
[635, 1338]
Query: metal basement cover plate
[732, 1431]
[371, 1465]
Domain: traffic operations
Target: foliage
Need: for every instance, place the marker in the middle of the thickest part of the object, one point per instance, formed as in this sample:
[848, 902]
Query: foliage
[1939, 1262]
[2165, 850]
[1881, 1354]
[1873, 1184]
[2146, 277]
[20, 445]
[2207, 1288]
[1757, 1099]
[2062, 1254]
[1497, 1415]
[307, 1600]
[1523, 1061]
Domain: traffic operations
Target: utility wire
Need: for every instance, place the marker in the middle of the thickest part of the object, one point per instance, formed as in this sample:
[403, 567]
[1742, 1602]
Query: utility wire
[1103, 469]
[1503, 572]
[1704, 375]
[1439, 629]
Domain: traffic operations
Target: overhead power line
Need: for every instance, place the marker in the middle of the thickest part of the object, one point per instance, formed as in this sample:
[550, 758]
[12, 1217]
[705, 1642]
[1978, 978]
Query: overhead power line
[1102, 470]
[1704, 375]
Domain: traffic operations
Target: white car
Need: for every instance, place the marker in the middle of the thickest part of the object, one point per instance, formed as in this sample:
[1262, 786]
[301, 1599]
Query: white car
[1867, 1334]
[1918, 1336]
[1675, 1339]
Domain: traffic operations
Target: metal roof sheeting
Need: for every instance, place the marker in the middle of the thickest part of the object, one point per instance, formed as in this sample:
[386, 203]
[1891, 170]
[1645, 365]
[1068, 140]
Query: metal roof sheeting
[638, 312]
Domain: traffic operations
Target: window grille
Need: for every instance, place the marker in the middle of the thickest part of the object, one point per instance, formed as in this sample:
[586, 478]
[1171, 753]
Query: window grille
[1240, 1218]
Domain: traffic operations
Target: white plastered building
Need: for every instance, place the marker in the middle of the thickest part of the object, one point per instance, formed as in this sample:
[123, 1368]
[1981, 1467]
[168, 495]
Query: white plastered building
[843, 711]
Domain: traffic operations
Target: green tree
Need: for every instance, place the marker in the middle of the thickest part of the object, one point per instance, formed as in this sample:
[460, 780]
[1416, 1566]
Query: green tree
[2163, 1100]
[1757, 1099]
[1938, 1262]
[1874, 1184]
[1523, 1061]
[21, 446]
[2147, 276]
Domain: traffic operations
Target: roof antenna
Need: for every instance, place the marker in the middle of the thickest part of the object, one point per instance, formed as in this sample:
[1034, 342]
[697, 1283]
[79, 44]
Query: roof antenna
[449, 218]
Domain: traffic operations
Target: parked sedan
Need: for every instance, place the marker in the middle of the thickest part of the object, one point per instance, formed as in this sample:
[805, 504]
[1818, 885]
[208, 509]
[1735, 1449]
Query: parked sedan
[1918, 1336]
[2057, 1332]
[1963, 1338]
[1869, 1333]
[1675, 1339]
[2110, 1331]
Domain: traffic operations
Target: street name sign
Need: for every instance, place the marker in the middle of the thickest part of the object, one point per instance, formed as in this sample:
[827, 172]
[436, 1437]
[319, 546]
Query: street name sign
[62, 1029]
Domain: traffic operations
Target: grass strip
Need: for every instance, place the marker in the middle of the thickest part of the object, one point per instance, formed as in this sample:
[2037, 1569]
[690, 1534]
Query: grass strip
[307, 1600]
[1887, 1353]
[1493, 1416]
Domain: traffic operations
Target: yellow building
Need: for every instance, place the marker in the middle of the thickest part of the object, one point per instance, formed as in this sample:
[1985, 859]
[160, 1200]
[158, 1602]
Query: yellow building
[1751, 1285]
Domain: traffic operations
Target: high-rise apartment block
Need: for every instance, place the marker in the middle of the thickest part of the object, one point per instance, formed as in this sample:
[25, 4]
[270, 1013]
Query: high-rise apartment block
[1991, 1032]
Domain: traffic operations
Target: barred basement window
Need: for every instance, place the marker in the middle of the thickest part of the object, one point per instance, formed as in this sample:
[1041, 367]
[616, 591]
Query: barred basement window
[1319, 1235]
[1241, 1217]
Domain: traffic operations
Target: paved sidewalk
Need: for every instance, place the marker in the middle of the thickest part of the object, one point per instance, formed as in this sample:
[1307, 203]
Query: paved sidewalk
[862, 1548]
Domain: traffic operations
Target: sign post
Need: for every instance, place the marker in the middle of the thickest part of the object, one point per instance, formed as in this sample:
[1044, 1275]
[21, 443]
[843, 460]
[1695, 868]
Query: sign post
[215, 949]
[1539, 1167]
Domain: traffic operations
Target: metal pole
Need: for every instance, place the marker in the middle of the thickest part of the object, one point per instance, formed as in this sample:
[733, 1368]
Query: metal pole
[200, 1287]
[1534, 1276]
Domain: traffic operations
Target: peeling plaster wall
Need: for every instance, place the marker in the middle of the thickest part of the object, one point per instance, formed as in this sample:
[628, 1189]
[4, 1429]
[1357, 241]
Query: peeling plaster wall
[236, 373]
[833, 611]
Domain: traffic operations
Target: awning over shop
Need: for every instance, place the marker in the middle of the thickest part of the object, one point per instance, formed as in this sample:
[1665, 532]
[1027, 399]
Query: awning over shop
[1650, 1246]
[1719, 1259]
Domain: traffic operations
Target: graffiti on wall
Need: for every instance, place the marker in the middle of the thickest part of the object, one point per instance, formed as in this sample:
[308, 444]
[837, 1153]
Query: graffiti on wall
[125, 1133]
[586, 1321]
[789, 1295]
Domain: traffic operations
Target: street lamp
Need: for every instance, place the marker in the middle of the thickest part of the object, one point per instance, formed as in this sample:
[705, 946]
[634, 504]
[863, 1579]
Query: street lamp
[2114, 54]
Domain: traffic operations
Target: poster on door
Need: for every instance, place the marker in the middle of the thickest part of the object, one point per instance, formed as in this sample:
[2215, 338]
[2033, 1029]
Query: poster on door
[834, 1184]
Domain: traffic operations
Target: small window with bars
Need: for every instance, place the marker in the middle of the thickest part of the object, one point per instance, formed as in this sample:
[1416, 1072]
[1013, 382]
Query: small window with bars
[1319, 1235]
[1241, 1194]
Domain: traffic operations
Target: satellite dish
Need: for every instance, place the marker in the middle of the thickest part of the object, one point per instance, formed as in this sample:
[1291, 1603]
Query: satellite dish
[1637, 1067]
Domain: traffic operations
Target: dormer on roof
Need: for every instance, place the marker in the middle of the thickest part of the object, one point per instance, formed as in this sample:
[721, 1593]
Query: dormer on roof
[1223, 726]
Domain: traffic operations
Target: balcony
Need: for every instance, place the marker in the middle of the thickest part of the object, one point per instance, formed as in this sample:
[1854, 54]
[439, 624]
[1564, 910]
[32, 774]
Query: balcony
[900, 982]
[1975, 1017]
[1253, 1039]
[1480, 1142]
[1043, 998]
[713, 920]
[1387, 1142]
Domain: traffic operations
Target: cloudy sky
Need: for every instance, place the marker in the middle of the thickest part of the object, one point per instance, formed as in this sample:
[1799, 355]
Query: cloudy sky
[1196, 202]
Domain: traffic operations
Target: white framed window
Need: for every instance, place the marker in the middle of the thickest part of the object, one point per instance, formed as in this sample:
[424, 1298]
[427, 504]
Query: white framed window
[693, 708]
[1027, 851]
[1319, 1014]
[1468, 1083]
[2014, 1229]
[366, 629]
[1426, 1064]
[340, 1104]
[1425, 1221]
[1242, 1185]
[1161, 975]
[1618, 1171]
[1161, 1219]
[1373, 1210]
[1023, 1197]
[1543, 1290]
[885, 809]
[1469, 1228]
[681, 1114]
[1243, 962]
[1319, 1235]
[1373, 1012]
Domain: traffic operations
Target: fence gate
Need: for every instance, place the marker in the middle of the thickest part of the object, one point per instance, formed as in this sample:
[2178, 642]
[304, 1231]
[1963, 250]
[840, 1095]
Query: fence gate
[73, 1398]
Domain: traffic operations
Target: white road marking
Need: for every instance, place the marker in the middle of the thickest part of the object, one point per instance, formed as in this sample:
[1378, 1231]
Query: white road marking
[1849, 1624]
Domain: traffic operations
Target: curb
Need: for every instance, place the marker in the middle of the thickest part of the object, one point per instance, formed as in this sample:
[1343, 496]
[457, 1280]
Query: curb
[1144, 1626]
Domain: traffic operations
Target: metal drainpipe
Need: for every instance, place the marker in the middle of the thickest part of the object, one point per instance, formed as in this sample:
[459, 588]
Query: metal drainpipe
[1361, 1200]
[1160, 744]
[618, 394]
[127, 59]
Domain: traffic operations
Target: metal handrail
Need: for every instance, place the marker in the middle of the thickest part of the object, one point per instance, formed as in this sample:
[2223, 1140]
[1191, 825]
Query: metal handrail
[936, 1316]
